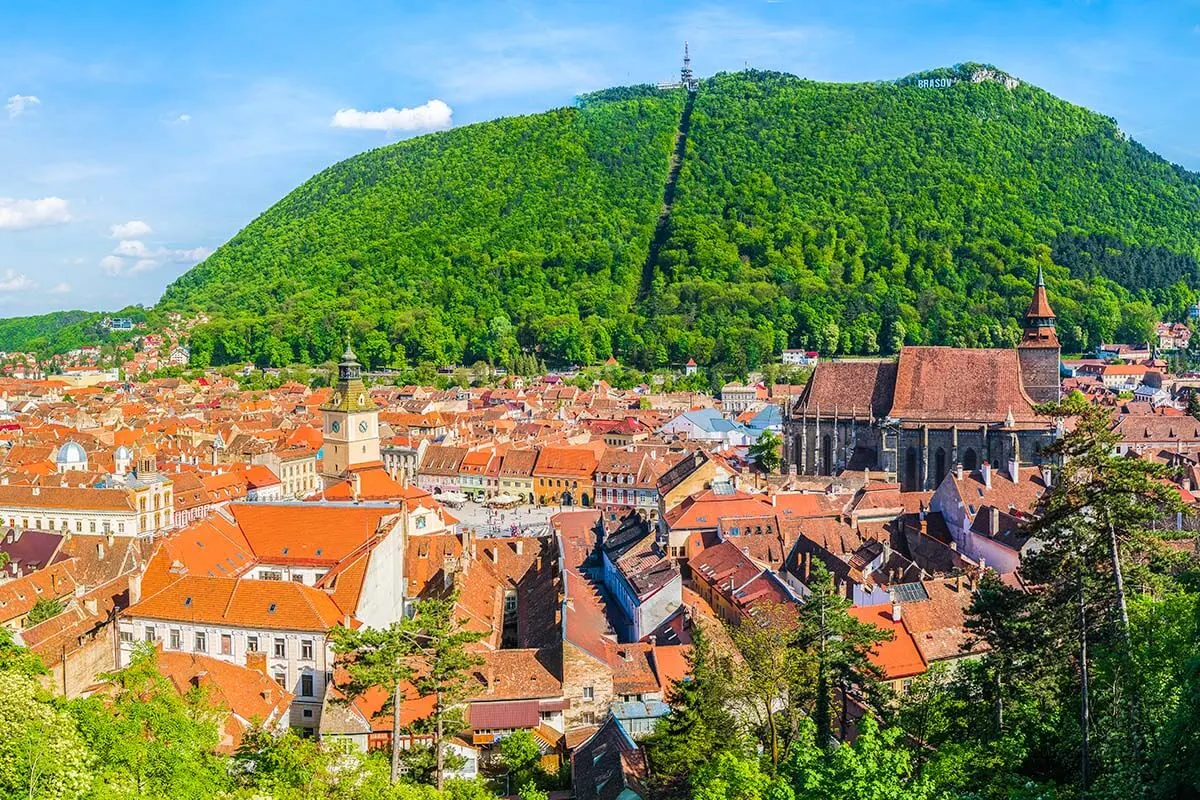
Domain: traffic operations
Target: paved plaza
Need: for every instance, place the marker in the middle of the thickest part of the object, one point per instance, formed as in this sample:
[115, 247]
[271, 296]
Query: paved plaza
[520, 521]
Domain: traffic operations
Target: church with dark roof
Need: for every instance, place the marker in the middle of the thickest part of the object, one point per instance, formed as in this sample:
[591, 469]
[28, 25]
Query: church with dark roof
[918, 416]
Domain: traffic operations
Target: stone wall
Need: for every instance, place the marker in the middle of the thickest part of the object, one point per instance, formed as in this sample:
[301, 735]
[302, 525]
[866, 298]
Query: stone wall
[580, 670]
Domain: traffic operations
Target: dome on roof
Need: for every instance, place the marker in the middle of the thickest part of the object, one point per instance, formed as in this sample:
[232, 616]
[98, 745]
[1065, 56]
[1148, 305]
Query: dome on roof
[71, 453]
[123, 452]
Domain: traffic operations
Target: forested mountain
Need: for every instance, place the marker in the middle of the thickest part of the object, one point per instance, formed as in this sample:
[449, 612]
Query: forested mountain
[849, 218]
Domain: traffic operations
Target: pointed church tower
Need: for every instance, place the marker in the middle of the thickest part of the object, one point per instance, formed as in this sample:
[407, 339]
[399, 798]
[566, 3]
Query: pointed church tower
[1039, 351]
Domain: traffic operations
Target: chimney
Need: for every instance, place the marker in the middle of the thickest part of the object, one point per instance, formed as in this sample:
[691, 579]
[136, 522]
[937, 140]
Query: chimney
[1046, 475]
[257, 661]
[985, 472]
[135, 588]
[1014, 471]
[993, 521]
[37, 490]
[895, 611]
[520, 546]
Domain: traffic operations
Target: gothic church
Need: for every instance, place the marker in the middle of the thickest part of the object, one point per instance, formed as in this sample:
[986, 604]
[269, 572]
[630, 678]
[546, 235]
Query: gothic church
[932, 408]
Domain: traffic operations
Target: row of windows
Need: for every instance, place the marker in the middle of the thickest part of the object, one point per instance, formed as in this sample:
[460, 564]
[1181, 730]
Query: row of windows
[558, 482]
[277, 575]
[224, 643]
[611, 477]
[65, 525]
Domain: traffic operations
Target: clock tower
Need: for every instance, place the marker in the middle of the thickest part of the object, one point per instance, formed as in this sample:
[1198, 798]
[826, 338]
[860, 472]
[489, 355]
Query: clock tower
[351, 422]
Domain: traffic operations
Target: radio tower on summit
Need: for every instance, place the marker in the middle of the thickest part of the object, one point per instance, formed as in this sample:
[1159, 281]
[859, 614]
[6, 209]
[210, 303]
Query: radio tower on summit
[685, 73]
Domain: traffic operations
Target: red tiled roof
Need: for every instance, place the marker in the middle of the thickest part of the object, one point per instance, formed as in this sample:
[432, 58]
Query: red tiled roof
[306, 534]
[503, 714]
[274, 605]
[953, 383]
[898, 658]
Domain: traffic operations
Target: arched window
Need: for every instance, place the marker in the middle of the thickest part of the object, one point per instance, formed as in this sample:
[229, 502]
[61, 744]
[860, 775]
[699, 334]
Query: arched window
[909, 481]
[939, 462]
[970, 460]
[826, 455]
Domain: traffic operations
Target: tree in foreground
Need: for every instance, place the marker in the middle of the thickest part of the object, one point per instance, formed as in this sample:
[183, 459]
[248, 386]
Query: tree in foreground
[381, 658]
[771, 684]
[148, 739]
[699, 725]
[838, 647]
[42, 755]
[444, 668]
[1096, 523]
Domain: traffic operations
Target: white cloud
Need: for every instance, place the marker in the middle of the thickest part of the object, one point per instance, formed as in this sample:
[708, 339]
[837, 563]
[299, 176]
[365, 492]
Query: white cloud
[62, 287]
[13, 281]
[127, 230]
[178, 119]
[18, 104]
[17, 215]
[132, 248]
[433, 115]
[133, 257]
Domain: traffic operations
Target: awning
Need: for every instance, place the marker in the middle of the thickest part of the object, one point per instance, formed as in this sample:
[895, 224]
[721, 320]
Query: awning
[451, 498]
[501, 500]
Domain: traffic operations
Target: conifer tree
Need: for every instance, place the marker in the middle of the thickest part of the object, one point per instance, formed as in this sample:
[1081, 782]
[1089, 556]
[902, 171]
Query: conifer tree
[376, 657]
[699, 724]
[838, 645]
[1098, 518]
[444, 665]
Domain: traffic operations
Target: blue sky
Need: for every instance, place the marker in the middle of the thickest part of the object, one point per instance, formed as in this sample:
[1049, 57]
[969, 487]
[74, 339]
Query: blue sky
[138, 136]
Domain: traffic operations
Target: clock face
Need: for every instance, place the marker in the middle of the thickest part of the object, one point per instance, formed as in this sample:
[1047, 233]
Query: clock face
[362, 426]
[335, 426]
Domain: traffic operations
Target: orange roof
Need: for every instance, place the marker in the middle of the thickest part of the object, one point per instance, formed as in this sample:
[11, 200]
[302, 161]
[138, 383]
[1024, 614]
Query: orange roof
[898, 658]
[671, 663]
[274, 605]
[306, 534]
[258, 475]
[308, 436]
[577, 462]
[56, 497]
[19, 595]
[246, 692]
[371, 702]
[373, 484]
[212, 547]
[703, 509]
